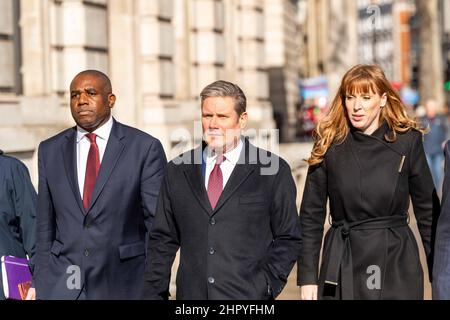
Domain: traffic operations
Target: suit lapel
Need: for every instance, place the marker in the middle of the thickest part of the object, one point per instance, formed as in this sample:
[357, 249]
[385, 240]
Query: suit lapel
[196, 180]
[70, 164]
[241, 172]
[113, 151]
[239, 175]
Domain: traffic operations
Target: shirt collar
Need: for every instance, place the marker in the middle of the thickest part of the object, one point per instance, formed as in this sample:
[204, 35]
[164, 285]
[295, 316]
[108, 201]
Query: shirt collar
[231, 156]
[102, 132]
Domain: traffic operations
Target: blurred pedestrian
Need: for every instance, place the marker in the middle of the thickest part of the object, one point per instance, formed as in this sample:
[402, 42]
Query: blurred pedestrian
[435, 139]
[367, 160]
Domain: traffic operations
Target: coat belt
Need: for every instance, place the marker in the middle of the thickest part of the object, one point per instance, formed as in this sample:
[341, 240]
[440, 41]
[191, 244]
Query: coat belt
[340, 256]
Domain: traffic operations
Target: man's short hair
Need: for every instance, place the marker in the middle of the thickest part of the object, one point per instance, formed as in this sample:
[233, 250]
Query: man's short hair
[98, 74]
[223, 88]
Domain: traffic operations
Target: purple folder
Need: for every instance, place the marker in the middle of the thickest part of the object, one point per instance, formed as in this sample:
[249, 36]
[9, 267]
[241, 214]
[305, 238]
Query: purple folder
[14, 272]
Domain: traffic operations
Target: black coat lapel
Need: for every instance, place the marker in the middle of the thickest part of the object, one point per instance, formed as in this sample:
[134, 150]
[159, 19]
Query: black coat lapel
[70, 163]
[113, 151]
[240, 173]
[196, 180]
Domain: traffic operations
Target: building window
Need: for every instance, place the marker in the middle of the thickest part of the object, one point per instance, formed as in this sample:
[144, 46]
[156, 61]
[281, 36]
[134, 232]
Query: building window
[10, 54]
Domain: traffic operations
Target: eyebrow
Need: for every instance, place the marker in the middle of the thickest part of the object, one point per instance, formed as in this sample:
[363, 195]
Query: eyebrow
[218, 114]
[85, 89]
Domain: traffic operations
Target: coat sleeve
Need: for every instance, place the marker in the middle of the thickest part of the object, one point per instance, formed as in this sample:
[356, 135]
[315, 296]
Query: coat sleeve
[312, 218]
[45, 227]
[25, 201]
[423, 196]
[151, 178]
[162, 246]
[286, 243]
[441, 265]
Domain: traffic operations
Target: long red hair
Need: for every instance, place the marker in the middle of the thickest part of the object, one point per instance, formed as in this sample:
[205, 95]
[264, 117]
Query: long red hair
[334, 127]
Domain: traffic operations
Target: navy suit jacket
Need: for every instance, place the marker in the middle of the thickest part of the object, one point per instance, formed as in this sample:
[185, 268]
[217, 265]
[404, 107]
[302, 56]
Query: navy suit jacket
[101, 249]
[441, 267]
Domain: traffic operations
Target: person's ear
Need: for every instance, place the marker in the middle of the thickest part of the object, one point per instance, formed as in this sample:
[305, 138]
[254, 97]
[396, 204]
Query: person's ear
[243, 120]
[383, 100]
[111, 100]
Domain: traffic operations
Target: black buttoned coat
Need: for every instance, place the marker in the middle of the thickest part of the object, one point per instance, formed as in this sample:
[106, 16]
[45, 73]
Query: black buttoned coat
[243, 249]
[369, 252]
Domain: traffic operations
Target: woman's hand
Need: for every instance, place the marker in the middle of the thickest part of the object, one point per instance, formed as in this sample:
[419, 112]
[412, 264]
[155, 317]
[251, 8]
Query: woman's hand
[308, 292]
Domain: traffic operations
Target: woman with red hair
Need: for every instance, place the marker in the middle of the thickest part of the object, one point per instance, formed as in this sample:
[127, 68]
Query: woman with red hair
[367, 161]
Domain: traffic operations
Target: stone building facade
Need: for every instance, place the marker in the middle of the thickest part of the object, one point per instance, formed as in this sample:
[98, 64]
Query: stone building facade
[159, 54]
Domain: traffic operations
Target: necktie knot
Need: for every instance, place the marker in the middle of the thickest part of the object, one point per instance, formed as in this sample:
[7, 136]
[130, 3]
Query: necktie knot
[92, 137]
[220, 158]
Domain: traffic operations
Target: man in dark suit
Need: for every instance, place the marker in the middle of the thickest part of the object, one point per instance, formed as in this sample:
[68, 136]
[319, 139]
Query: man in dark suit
[98, 187]
[17, 211]
[441, 265]
[230, 208]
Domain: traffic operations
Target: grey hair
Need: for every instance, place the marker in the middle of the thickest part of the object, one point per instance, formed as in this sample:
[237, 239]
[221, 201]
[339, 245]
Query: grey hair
[222, 88]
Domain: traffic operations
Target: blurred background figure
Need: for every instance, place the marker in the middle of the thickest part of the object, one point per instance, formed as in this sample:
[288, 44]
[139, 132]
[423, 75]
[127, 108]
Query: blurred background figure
[17, 211]
[435, 139]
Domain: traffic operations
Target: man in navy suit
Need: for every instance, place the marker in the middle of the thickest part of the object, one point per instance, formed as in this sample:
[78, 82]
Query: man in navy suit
[98, 186]
[441, 266]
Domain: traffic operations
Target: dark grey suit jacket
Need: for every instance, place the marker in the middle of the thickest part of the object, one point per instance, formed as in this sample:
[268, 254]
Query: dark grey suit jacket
[106, 242]
[243, 249]
[441, 267]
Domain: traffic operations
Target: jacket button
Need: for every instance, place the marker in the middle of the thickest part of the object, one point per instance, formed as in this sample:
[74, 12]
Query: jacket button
[211, 280]
[86, 252]
[212, 250]
[88, 226]
[212, 221]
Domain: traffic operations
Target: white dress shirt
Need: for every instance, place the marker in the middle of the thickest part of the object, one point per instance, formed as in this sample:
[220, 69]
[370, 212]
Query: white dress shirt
[83, 145]
[227, 167]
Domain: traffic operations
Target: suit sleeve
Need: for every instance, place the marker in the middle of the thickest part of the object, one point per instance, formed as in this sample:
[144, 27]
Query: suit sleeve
[441, 265]
[151, 178]
[25, 202]
[312, 218]
[162, 247]
[45, 226]
[285, 230]
[423, 196]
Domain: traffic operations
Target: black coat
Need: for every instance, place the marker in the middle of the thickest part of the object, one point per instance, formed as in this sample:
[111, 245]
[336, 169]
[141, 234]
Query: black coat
[370, 251]
[107, 241]
[17, 211]
[243, 249]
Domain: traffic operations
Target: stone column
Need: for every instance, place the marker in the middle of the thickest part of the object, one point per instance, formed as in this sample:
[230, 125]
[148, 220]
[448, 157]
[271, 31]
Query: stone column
[208, 43]
[252, 74]
[342, 41]
[430, 55]
[155, 77]
[282, 54]
[122, 57]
